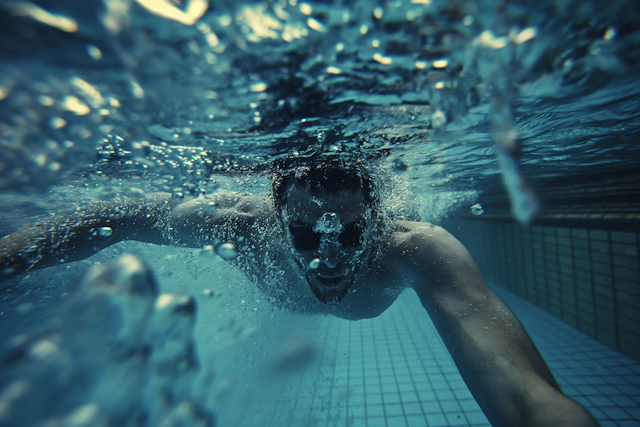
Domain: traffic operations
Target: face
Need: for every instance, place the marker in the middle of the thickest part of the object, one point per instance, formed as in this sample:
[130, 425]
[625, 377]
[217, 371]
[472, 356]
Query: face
[326, 234]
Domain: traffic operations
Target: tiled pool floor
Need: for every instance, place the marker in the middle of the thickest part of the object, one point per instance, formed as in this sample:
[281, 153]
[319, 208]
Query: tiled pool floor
[394, 371]
[601, 379]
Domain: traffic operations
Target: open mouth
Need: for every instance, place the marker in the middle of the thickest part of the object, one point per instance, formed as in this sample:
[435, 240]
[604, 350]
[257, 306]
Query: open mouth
[330, 290]
[330, 282]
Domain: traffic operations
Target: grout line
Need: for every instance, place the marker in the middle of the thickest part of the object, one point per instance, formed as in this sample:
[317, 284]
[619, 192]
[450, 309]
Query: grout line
[375, 349]
[438, 365]
[575, 281]
[351, 325]
[302, 376]
[332, 386]
[404, 357]
[613, 292]
[364, 375]
[421, 360]
[321, 370]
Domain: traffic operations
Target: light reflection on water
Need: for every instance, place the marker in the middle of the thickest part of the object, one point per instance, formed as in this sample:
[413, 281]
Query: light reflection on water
[242, 72]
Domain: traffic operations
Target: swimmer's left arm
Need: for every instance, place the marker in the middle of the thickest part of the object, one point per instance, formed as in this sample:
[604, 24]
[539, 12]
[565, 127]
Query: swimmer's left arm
[497, 359]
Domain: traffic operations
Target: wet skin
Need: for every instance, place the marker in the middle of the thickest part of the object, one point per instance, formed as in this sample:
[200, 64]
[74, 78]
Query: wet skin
[330, 269]
[495, 356]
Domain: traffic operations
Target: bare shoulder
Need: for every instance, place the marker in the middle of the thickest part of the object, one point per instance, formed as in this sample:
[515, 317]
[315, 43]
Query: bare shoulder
[225, 202]
[422, 247]
[224, 212]
[409, 234]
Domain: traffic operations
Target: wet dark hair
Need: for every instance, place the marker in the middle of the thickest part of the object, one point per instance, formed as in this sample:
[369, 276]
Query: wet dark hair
[324, 175]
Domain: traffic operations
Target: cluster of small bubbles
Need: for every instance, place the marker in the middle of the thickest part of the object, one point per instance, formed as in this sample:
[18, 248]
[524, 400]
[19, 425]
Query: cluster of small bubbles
[227, 251]
[105, 231]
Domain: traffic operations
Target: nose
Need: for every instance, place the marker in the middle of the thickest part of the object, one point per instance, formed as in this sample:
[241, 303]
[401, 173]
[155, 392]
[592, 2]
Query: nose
[330, 255]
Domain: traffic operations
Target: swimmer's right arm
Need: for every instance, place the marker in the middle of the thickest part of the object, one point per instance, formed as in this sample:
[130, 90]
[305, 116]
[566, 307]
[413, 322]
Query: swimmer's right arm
[225, 216]
[155, 219]
[60, 239]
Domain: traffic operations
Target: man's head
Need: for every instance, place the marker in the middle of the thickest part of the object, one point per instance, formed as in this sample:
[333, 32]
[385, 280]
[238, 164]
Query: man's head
[326, 210]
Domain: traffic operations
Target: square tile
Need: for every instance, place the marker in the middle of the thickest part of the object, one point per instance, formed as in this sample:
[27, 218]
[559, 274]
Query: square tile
[396, 422]
[616, 413]
[450, 405]
[601, 401]
[376, 422]
[416, 421]
[408, 396]
[391, 398]
[427, 396]
[357, 411]
[436, 420]
[476, 418]
[412, 408]
[374, 410]
[456, 419]
[393, 410]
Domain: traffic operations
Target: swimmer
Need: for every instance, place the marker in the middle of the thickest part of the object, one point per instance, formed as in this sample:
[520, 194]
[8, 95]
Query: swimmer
[320, 244]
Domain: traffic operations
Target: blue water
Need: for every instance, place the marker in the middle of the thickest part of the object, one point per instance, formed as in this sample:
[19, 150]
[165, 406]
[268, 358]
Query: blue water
[454, 98]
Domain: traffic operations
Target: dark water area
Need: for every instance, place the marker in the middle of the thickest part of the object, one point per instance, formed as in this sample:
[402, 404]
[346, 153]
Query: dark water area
[418, 82]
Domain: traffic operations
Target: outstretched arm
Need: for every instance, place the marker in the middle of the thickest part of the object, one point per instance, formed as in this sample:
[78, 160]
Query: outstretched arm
[57, 239]
[493, 352]
[154, 219]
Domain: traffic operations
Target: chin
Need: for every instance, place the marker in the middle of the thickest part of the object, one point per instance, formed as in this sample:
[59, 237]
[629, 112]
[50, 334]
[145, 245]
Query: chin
[330, 290]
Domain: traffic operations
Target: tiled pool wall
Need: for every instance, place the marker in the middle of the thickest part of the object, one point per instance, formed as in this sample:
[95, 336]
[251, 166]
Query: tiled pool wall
[588, 278]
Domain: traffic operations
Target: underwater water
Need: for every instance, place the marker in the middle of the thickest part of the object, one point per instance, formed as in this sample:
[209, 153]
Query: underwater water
[453, 101]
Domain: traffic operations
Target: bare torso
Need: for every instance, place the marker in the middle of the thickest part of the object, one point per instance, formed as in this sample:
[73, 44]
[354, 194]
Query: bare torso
[266, 258]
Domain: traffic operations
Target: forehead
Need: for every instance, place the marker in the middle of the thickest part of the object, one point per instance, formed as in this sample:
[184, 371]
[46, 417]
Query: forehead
[307, 206]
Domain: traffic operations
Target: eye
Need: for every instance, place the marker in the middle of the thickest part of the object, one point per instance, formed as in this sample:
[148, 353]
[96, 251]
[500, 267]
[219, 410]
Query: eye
[352, 234]
[304, 238]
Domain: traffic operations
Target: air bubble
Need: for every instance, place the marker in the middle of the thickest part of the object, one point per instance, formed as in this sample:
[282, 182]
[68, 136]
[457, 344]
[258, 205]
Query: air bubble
[227, 251]
[177, 194]
[438, 120]
[105, 231]
[477, 209]
[57, 122]
[400, 165]
[314, 263]
[94, 52]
